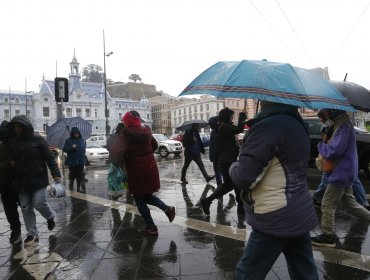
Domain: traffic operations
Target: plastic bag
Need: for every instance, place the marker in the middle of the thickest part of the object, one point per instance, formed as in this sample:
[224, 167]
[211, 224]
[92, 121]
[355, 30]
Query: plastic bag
[56, 190]
[117, 180]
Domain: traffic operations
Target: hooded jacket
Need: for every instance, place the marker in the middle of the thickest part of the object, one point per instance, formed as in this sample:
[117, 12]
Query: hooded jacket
[75, 156]
[6, 170]
[32, 155]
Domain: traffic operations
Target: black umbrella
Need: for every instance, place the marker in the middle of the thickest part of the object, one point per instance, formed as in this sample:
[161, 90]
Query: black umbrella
[188, 124]
[357, 96]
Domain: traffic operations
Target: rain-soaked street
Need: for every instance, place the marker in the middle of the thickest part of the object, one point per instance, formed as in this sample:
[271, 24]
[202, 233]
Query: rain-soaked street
[97, 238]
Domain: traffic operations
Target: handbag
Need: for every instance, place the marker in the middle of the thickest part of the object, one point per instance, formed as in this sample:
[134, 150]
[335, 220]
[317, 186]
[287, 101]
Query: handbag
[324, 164]
[117, 180]
[56, 190]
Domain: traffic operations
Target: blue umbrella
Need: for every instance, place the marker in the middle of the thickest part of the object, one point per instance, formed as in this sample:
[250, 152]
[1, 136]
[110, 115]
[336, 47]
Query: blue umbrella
[60, 131]
[269, 81]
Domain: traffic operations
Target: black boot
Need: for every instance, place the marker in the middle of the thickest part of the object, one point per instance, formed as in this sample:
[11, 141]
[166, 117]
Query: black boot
[71, 185]
[206, 204]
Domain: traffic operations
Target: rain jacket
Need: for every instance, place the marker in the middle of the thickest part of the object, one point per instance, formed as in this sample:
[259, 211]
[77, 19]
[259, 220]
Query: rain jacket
[271, 172]
[342, 149]
[75, 156]
[6, 170]
[32, 156]
[213, 149]
[134, 148]
[192, 143]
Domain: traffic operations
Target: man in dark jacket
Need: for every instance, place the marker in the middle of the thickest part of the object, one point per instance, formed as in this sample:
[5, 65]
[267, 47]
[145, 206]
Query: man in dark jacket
[214, 123]
[271, 172]
[75, 149]
[227, 154]
[30, 154]
[9, 197]
[193, 147]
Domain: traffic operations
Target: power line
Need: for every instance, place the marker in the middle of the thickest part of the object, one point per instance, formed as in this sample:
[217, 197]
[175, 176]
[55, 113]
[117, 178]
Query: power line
[295, 33]
[273, 30]
[349, 33]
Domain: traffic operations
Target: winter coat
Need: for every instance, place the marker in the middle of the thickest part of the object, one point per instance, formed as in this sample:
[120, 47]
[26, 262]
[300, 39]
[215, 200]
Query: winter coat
[271, 172]
[31, 154]
[75, 156]
[6, 170]
[134, 148]
[192, 143]
[214, 123]
[227, 147]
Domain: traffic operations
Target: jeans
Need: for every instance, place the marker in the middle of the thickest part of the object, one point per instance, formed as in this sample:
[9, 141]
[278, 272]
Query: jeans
[332, 197]
[216, 169]
[29, 201]
[142, 202]
[262, 250]
[198, 161]
[10, 203]
[358, 190]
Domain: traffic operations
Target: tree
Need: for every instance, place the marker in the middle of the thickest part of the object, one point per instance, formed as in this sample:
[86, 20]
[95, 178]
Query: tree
[92, 73]
[134, 77]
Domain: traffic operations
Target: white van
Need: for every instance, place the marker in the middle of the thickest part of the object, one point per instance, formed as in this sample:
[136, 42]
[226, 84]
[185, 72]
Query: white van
[98, 139]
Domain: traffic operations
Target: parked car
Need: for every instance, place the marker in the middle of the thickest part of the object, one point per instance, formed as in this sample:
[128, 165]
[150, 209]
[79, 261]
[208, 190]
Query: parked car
[95, 153]
[167, 146]
[205, 137]
[362, 140]
[177, 137]
[97, 139]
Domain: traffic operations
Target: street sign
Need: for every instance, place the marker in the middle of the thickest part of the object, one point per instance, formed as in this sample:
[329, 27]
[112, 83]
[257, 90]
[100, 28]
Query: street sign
[61, 89]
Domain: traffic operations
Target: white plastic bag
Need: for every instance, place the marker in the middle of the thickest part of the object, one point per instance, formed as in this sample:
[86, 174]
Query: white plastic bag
[56, 190]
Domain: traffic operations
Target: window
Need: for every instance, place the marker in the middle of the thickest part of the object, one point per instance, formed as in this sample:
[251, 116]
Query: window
[218, 107]
[96, 113]
[46, 99]
[6, 113]
[119, 116]
[45, 112]
[87, 113]
[195, 109]
[78, 112]
[207, 107]
[69, 112]
[6, 100]
[28, 113]
[174, 113]
[184, 111]
[17, 112]
[16, 101]
[201, 107]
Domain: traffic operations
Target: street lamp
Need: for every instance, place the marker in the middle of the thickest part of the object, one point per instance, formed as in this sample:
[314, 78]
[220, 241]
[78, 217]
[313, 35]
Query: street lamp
[107, 129]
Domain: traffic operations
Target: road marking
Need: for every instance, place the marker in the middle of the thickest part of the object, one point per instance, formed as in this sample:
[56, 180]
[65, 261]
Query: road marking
[331, 255]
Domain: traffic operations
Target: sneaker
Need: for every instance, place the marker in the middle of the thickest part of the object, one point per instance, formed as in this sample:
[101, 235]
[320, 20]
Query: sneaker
[183, 180]
[30, 239]
[324, 240]
[170, 213]
[205, 205]
[51, 224]
[15, 238]
[150, 230]
[209, 178]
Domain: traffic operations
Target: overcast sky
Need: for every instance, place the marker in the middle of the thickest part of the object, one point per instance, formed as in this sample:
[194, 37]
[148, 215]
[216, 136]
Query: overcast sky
[169, 42]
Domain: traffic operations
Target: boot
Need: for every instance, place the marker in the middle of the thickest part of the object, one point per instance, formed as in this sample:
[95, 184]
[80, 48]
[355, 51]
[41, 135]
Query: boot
[83, 188]
[206, 204]
[71, 185]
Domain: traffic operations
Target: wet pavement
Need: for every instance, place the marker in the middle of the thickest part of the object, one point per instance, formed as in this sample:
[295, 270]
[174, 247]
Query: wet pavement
[98, 238]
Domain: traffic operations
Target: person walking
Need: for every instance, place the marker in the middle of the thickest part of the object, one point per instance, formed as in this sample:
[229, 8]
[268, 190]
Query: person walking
[193, 148]
[342, 151]
[227, 154]
[214, 123]
[134, 147]
[30, 156]
[9, 197]
[75, 149]
[271, 174]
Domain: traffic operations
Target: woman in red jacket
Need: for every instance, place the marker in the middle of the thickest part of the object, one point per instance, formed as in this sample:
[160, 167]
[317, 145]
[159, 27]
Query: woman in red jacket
[134, 148]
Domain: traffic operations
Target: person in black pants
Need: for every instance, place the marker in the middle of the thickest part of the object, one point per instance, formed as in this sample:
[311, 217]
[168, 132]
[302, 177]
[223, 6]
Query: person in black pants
[228, 151]
[193, 147]
[9, 197]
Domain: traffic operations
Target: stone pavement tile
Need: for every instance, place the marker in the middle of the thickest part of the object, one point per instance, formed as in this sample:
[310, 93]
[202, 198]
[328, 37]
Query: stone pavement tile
[207, 276]
[85, 250]
[201, 262]
[75, 270]
[124, 267]
[339, 272]
[125, 248]
[156, 266]
[98, 235]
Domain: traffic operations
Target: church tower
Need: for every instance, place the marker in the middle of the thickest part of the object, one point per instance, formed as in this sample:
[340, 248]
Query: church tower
[74, 76]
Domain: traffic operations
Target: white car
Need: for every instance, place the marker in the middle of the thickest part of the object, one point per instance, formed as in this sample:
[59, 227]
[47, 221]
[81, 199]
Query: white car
[97, 139]
[95, 153]
[167, 146]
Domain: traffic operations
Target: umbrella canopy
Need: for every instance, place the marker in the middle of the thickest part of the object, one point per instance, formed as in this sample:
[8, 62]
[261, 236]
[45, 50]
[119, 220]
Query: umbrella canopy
[357, 96]
[269, 81]
[60, 131]
[188, 124]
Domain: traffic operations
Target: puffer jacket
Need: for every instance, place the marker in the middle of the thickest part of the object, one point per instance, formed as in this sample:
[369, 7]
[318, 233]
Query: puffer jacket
[31, 154]
[75, 156]
[271, 172]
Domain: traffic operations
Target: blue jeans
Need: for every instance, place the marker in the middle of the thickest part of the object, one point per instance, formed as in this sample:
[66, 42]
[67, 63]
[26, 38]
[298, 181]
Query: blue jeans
[262, 251]
[358, 190]
[217, 171]
[142, 202]
[29, 201]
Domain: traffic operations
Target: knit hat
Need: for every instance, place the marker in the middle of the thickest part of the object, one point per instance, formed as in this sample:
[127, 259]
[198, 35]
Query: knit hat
[225, 114]
[132, 118]
[214, 122]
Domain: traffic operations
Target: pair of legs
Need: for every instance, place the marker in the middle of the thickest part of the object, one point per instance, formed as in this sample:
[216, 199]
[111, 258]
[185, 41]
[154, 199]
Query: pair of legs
[216, 169]
[262, 251]
[10, 203]
[142, 202]
[198, 160]
[358, 190]
[34, 200]
[77, 172]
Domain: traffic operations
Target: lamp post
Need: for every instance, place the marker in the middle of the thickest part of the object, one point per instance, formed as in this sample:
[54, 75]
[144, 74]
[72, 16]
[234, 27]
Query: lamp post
[107, 129]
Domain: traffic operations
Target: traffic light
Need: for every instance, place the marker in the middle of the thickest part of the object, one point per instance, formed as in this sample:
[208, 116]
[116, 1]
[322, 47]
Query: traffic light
[61, 89]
